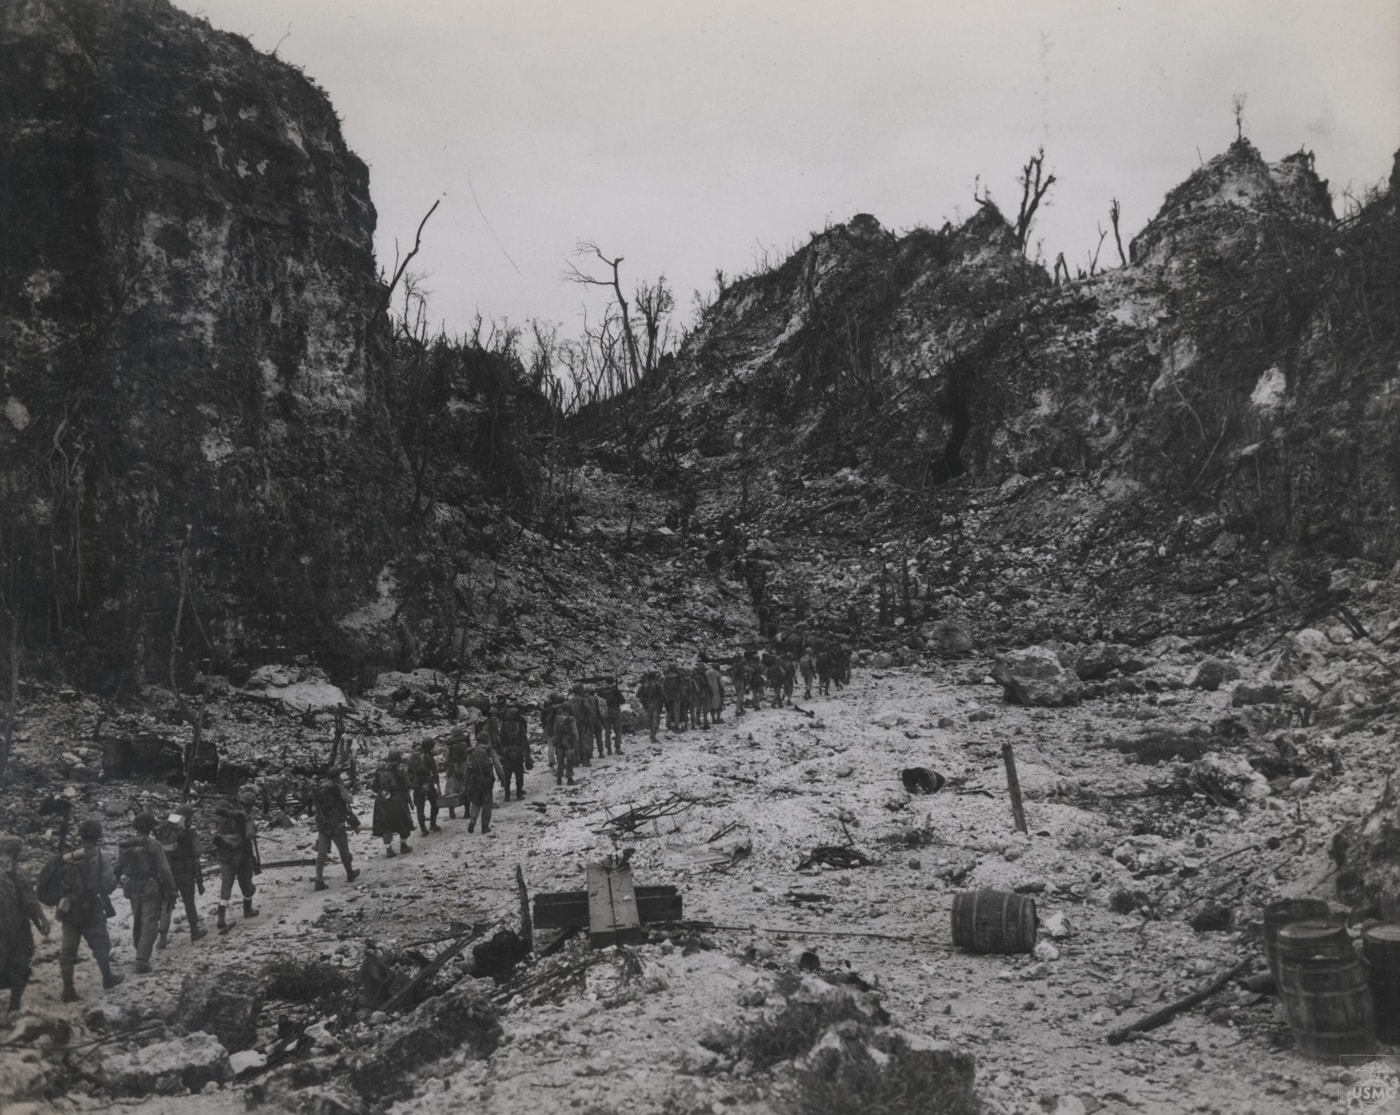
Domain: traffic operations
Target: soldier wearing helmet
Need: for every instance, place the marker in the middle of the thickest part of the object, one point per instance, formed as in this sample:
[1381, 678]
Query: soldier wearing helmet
[180, 842]
[19, 910]
[146, 881]
[391, 804]
[237, 845]
[88, 881]
[331, 801]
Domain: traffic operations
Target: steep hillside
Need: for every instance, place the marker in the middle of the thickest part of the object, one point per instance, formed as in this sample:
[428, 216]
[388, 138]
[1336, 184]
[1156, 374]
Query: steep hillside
[936, 395]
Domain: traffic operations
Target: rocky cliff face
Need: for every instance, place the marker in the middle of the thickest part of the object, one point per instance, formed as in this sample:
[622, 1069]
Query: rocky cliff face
[1238, 376]
[187, 287]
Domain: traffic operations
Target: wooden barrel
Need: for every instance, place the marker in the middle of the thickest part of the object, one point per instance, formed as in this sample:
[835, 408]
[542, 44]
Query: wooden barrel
[994, 921]
[1380, 944]
[1327, 1000]
[1278, 914]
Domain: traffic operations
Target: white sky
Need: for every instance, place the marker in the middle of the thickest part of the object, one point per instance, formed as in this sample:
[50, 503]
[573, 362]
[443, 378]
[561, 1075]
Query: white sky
[693, 136]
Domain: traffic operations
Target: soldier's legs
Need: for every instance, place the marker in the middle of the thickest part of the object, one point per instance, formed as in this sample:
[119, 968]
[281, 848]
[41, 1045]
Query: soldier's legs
[599, 734]
[18, 982]
[433, 812]
[420, 799]
[653, 721]
[323, 848]
[101, 945]
[68, 959]
[227, 873]
[146, 915]
[245, 884]
[487, 800]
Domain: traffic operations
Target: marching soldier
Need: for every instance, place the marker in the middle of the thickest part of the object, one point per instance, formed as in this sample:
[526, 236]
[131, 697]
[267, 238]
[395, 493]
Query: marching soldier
[515, 750]
[333, 813]
[180, 843]
[483, 768]
[237, 846]
[19, 910]
[563, 737]
[652, 696]
[611, 699]
[808, 665]
[584, 711]
[458, 748]
[88, 882]
[423, 776]
[147, 883]
[391, 815]
[714, 692]
[673, 689]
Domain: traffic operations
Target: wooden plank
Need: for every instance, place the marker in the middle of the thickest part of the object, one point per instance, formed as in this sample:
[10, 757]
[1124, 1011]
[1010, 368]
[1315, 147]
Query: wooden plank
[569, 909]
[612, 907]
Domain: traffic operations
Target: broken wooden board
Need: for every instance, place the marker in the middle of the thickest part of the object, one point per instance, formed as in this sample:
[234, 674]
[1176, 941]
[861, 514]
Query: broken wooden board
[613, 918]
[569, 909]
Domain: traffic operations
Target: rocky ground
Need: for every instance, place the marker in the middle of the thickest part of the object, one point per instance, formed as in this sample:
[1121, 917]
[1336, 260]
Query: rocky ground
[1166, 798]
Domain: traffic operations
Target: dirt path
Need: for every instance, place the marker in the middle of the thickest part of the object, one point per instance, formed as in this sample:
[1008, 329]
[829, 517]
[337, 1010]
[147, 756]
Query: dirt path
[632, 1040]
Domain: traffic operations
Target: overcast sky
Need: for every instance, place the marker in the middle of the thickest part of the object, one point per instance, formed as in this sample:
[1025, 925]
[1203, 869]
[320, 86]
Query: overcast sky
[715, 133]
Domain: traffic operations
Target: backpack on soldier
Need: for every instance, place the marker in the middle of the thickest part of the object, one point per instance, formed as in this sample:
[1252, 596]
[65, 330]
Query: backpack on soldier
[49, 887]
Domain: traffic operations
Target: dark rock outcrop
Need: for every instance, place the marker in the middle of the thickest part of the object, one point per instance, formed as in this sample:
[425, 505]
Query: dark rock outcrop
[185, 317]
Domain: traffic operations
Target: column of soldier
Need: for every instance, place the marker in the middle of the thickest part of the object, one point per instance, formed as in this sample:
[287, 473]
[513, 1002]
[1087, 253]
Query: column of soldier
[162, 862]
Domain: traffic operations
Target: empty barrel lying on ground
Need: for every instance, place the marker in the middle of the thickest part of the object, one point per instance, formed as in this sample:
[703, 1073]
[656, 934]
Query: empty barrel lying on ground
[994, 921]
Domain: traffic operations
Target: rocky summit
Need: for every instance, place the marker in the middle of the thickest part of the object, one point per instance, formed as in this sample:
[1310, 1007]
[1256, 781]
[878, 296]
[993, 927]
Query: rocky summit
[1114, 555]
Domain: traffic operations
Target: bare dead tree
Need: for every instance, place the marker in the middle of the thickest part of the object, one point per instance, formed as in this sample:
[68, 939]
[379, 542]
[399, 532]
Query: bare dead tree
[655, 303]
[402, 266]
[1094, 259]
[1114, 212]
[614, 281]
[1035, 184]
[1061, 265]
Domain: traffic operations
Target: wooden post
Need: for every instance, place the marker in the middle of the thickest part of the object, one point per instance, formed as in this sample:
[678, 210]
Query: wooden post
[527, 928]
[1014, 785]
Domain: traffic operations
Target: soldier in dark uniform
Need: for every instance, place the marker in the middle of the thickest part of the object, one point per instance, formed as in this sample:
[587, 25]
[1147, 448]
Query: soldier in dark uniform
[19, 910]
[584, 712]
[843, 665]
[563, 738]
[753, 677]
[714, 693]
[483, 768]
[237, 846]
[515, 750]
[181, 844]
[652, 696]
[88, 882]
[773, 673]
[458, 748]
[698, 697]
[739, 678]
[673, 689]
[611, 698]
[423, 776]
[808, 665]
[147, 883]
[331, 801]
[825, 668]
[391, 814]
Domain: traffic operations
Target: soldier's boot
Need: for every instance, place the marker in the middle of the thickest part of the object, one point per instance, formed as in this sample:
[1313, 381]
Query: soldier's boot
[16, 995]
[142, 966]
[110, 979]
[163, 941]
[404, 847]
[70, 993]
[249, 910]
[222, 924]
[320, 882]
[351, 873]
[389, 850]
[571, 780]
[198, 932]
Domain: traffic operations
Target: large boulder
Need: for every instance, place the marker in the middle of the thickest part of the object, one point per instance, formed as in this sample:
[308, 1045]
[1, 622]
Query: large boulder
[1099, 660]
[947, 637]
[1036, 676]
[1211, 674]
[167, 1068]
[223, 1003]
